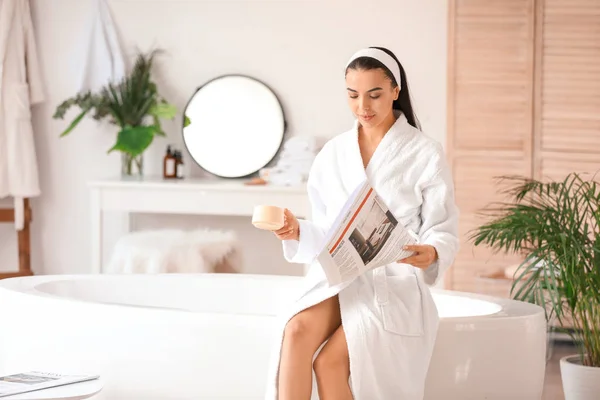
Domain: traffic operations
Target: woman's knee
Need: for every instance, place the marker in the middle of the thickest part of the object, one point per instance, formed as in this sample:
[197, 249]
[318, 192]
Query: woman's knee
[311, 327]
[299, 329]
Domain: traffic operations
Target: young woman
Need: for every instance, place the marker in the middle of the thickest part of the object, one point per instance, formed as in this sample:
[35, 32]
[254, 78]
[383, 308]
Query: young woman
[373, 336]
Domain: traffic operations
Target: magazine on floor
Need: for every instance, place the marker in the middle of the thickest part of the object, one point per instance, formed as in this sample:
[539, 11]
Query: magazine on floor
[36, 380]
[365, 235]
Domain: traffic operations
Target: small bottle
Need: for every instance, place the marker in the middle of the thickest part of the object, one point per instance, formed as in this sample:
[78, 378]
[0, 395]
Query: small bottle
[169, 164]
[179, 164]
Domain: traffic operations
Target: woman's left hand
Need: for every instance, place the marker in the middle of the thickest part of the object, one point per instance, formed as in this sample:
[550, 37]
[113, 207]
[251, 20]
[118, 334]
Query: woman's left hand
[424, 256]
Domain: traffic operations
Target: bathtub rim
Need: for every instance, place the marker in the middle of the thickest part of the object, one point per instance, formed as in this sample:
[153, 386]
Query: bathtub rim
[509, 308]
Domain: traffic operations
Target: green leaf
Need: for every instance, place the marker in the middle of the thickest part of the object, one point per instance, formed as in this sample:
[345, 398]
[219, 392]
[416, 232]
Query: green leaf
[134, 140]
[163, 110]
[75, 122]
[186, 121]
[157, 127]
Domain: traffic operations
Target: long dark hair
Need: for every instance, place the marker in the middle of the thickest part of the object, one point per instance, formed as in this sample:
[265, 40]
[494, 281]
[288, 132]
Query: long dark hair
[403, 102]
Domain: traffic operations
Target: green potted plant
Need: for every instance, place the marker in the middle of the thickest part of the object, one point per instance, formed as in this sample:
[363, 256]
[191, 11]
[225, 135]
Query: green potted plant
[555, 227]
[133, 105]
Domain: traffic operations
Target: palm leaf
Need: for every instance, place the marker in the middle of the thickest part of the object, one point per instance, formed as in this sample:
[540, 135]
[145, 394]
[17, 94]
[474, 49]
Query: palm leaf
[75, 122]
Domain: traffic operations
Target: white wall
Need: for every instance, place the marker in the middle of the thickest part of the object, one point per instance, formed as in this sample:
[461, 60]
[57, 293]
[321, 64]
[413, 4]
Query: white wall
[298, 47]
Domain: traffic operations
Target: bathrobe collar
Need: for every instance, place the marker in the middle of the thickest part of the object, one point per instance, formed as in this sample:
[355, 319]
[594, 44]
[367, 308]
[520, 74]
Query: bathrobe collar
[396, 137]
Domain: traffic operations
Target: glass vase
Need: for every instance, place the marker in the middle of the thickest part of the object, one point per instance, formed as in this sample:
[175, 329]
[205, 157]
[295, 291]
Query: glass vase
[132, 166]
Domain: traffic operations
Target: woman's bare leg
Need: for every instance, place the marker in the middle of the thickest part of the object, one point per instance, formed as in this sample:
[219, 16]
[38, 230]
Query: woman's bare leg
[332, 367]
[303, 335]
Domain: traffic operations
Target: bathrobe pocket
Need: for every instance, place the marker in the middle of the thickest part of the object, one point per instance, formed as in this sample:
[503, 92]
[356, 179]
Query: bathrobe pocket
[21, 104]
[401, 307]
[21, 157]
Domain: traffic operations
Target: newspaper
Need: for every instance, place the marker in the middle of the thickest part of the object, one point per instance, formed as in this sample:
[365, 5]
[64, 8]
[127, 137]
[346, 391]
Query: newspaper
[35, 380]
[365, 235]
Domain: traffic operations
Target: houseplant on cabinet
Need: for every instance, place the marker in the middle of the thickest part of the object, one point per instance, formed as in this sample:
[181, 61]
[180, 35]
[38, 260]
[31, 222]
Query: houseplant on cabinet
[555, 226]
[133, 105]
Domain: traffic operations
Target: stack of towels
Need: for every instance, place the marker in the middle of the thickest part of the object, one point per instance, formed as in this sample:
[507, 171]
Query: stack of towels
[294, 164]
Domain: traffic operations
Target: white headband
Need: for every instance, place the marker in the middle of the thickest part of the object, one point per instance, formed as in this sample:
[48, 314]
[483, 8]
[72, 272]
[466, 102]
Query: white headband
[383, 58]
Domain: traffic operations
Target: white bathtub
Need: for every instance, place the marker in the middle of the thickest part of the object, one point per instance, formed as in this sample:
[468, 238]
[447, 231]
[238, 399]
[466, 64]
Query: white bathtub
[179, 337]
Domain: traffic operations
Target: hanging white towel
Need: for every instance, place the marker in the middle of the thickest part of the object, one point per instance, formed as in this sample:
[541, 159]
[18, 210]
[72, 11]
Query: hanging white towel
[104, 59]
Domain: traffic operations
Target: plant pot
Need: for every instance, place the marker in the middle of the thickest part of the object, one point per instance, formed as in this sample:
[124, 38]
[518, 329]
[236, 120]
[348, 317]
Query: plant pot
[579, 382]
[132, 166]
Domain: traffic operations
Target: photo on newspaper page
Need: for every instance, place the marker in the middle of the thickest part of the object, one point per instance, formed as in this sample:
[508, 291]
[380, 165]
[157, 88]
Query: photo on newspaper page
[366, 235]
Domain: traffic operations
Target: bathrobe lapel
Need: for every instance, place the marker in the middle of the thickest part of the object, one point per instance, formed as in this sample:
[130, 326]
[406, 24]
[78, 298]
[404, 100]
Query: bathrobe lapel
[384, 170]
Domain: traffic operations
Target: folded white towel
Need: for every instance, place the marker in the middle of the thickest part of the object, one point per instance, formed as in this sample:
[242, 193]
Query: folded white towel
[294, 168]
[300, 143]
[297, 154]
[286, 178]
[295, 160]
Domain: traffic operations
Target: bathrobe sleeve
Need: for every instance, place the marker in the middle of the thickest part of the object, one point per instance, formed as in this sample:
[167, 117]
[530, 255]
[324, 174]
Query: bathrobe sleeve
[313, 231]
[439, 216]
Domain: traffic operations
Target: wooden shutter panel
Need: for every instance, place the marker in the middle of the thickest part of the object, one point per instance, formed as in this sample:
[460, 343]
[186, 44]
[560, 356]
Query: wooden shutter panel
[568, 134]
[490, 108]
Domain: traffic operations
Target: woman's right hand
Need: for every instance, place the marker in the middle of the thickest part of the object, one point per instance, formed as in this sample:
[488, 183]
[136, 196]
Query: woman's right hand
[290, 229]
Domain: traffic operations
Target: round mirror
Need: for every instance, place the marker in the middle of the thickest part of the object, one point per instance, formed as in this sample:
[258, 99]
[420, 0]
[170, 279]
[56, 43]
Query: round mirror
[236, 126]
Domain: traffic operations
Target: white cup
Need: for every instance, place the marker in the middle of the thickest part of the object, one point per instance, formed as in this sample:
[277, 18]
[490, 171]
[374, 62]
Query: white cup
[269, 218]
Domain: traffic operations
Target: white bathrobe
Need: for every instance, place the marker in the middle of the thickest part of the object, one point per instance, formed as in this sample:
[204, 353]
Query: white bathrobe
[388, 314]
[20, 88]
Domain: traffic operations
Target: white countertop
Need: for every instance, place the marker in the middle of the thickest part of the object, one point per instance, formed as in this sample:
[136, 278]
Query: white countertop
[192, 183]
